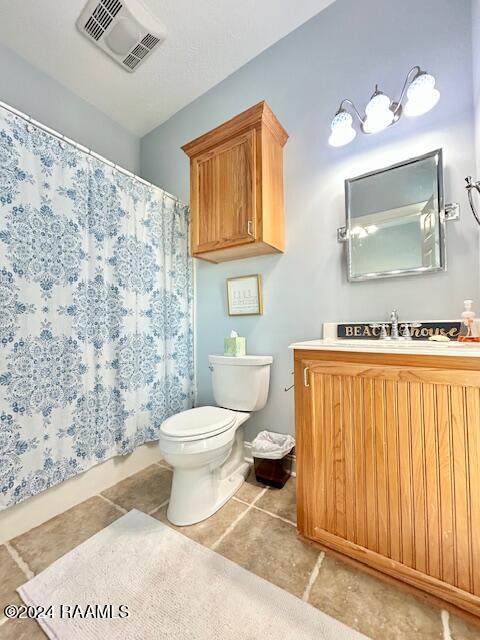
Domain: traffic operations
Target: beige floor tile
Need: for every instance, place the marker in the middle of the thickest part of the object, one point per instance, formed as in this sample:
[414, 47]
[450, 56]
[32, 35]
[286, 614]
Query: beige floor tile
[282, 502]
[250, 488]
[460, 630]
[380, 611]
[270, 548]
[46, 543]
[210, 530]
[21, 630]
[144, 490]
[11, 578]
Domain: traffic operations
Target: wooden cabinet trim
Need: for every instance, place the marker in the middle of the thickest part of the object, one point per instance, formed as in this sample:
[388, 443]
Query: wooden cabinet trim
[253, 117]
[237, 252]
[390, 359]
[442, 590]
[236, 140]
[392, 372]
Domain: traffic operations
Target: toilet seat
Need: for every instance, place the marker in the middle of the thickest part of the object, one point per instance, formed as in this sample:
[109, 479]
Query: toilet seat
[198, 423]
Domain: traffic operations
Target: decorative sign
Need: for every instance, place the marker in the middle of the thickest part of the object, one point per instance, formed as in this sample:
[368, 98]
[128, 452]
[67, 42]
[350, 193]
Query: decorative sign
[244, 295]
[364, 331]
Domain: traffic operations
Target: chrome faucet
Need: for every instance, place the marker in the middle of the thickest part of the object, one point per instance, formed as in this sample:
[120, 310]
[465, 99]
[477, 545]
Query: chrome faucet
[394, 335]
[398, 331]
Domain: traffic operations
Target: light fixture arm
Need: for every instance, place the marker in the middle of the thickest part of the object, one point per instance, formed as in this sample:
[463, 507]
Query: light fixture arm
[347, 101]
[408, 81]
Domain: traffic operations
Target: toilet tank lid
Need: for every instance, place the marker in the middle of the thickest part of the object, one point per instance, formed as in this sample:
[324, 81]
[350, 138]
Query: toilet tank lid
[245, 361]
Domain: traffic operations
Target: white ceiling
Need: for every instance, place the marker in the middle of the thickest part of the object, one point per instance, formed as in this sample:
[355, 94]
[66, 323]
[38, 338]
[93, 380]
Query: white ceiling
[207, 40]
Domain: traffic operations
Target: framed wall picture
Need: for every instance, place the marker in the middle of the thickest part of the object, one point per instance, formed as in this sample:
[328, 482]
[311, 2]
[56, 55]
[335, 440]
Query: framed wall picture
[244, 295]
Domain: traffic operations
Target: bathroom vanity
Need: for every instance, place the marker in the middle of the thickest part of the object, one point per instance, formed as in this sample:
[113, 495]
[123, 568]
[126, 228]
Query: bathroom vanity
[388, 459]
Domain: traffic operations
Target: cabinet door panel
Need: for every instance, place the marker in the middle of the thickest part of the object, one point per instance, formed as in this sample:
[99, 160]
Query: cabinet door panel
[461, 489]
[402, 394]
[223, 195]
[472, 398]
[207, 227]
[394, 459]
[371, 501]
[393, 469]
[446, 474]
[236, 179]
[432, 480]
[419, 490]
[358, 463]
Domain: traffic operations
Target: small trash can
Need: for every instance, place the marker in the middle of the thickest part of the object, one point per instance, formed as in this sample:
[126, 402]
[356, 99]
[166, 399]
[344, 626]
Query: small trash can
[270, 458]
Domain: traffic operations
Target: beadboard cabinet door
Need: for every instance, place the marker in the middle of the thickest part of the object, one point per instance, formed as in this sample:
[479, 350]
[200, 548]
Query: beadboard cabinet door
[388, 467]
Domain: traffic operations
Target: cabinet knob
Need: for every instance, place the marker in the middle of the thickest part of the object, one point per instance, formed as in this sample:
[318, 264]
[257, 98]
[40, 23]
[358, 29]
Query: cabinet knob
[250, 227]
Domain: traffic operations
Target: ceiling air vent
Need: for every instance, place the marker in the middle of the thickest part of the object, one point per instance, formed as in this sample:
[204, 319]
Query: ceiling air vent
[131, 61]
[124, 29]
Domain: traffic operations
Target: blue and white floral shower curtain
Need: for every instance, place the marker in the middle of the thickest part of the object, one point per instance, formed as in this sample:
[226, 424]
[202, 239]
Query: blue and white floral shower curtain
[95, 311]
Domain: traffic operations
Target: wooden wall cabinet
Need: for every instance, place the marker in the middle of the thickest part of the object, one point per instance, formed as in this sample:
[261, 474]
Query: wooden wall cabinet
[236, 187]
[388, 465]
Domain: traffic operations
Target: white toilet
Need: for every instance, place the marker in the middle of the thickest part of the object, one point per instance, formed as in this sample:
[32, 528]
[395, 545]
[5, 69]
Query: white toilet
[205, 445]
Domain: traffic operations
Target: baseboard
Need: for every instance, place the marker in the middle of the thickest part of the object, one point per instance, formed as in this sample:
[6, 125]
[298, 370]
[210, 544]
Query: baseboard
[38, 509]
[247, 447]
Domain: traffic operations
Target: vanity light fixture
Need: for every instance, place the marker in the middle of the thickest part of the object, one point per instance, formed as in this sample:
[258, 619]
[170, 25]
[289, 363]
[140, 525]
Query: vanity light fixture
[381, 111]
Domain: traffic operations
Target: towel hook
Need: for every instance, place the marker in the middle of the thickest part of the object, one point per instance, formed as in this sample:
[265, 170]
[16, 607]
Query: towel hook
[291, 386]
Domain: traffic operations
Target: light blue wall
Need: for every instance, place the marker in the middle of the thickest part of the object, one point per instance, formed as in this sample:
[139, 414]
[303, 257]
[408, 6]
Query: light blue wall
[340, 53]
[40, 96]
[476, 75]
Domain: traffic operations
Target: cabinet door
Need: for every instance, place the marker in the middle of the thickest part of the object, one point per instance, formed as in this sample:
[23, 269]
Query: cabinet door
[390, 464]
[236, 176]
[223, 195]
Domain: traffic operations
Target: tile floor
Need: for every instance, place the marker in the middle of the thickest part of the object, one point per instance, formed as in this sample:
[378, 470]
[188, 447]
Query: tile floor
[256, 529]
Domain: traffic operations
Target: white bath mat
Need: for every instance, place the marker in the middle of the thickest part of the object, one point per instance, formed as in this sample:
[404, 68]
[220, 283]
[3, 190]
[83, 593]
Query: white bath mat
[174, 589]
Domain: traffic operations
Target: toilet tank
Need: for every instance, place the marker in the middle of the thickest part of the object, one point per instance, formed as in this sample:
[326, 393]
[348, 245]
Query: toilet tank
[240, 383]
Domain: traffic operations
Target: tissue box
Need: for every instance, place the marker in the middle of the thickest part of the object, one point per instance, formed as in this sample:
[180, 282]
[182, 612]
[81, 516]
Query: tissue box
[235, 346]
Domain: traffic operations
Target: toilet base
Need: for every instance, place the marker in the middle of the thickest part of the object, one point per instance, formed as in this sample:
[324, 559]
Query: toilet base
[206, 473]
[187, 508]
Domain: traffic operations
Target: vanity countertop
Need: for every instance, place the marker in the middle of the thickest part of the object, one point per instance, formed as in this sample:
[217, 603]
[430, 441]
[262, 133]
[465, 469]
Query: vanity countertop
[413, 347]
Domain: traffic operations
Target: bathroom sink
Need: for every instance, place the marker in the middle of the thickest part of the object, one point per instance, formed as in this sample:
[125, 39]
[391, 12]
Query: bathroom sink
[381, 345]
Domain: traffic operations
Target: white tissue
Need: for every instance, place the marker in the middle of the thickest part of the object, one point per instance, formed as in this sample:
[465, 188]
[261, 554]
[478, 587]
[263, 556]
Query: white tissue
[233, 334]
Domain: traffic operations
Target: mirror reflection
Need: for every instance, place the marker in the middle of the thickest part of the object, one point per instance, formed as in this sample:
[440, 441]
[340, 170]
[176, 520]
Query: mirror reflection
[394, 222]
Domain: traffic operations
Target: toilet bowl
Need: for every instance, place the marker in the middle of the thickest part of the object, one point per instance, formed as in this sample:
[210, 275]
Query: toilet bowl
[204, 445]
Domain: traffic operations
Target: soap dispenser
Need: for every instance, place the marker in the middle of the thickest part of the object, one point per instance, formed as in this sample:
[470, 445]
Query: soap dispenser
[468, 329]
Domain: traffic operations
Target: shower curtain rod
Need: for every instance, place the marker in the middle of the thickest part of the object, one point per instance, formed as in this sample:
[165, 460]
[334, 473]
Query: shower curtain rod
[81, 147]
